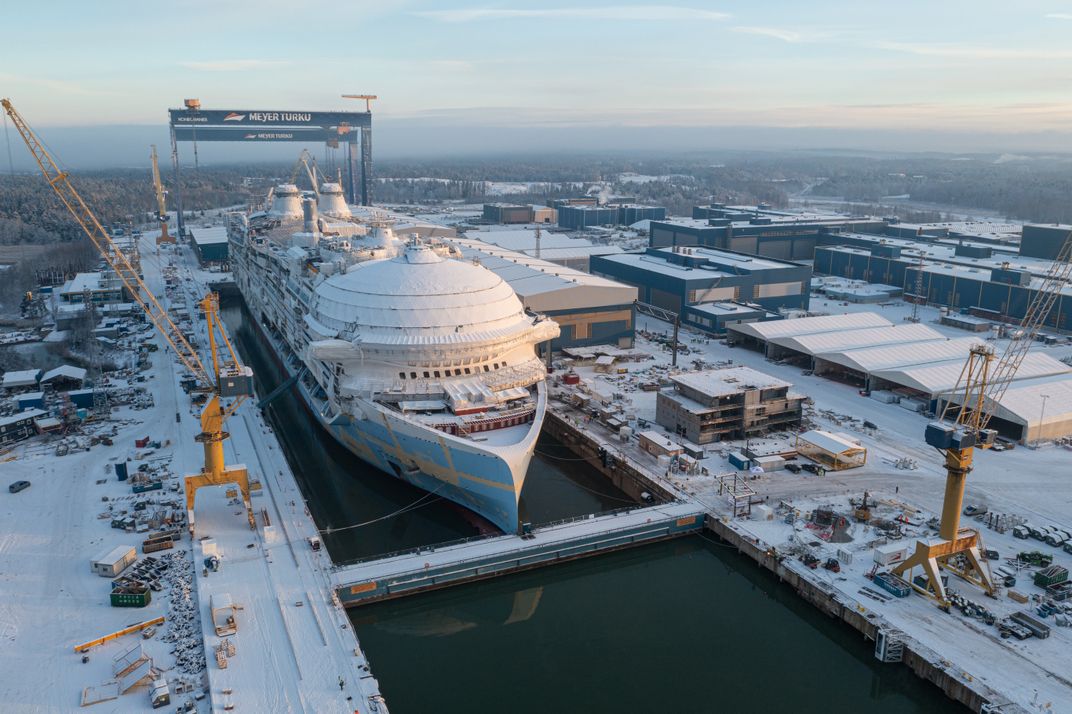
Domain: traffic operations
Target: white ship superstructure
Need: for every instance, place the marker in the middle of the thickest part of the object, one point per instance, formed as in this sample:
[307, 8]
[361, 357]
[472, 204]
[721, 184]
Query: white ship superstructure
[418, 361]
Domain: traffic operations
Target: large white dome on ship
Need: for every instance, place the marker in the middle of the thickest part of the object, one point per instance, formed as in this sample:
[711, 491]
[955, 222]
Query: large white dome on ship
[418, 294]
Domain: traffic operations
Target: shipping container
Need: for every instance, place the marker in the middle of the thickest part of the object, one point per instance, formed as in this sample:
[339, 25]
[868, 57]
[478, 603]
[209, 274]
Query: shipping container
[114, 561]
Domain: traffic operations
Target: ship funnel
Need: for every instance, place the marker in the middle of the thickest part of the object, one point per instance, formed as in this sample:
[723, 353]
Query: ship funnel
[286, 202]
[310, 215]
[332, 203]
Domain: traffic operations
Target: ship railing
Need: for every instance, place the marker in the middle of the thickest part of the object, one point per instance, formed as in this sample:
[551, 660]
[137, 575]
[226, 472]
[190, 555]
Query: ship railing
[474, 539]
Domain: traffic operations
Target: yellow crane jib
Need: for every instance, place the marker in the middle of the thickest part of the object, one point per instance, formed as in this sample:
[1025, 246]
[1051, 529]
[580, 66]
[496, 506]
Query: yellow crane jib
[229, 379]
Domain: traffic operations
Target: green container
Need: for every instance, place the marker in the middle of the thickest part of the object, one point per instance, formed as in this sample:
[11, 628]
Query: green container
[1051, 576]
[127, 599]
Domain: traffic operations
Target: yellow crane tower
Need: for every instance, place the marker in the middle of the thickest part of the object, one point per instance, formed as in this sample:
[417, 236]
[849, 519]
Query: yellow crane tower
[161, 203]
[226, 380]
[982, 384]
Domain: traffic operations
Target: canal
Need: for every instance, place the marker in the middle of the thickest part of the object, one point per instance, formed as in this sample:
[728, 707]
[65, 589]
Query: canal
[686, 624]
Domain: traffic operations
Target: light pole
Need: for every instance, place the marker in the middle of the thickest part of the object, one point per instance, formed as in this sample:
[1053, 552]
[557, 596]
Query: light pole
[1042, 415]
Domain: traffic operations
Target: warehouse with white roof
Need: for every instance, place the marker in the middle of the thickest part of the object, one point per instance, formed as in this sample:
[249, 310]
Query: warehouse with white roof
[913, 365]
[590, 310]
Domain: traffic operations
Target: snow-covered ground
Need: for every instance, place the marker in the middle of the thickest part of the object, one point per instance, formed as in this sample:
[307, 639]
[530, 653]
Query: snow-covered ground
[1021, 483]
[294, 642]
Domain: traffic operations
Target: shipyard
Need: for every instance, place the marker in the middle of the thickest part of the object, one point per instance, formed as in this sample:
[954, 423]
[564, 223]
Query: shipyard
[295, 422]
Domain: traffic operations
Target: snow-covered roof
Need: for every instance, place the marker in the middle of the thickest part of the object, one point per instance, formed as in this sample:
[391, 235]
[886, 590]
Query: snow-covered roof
[28, 414]
[209, 236]
[830, 442]
[866, 337]
[867, 359]
[721, 382]
[82, 282]
[766, 331]
[21, 378]
[544, 286]
[65, 371]
[1033, 400]
[936, 378]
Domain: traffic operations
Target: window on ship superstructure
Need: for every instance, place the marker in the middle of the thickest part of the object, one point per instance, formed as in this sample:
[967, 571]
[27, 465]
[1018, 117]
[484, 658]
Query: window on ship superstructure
[436, 373]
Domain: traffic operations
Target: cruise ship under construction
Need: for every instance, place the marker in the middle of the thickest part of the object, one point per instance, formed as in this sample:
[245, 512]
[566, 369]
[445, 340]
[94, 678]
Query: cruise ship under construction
[420, 362]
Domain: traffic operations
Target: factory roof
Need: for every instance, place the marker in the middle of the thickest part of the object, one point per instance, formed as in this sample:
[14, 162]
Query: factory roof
[1044, 400]
[209, 236]
[544, 286]
[82, 282]
[66, 371]
[867, 359]
[810, 325]
[829, 442]
[21, 378]
[866, 337]
[552, 245]
[16, 418]
[722, 382]
[935, 378]
[722, 309]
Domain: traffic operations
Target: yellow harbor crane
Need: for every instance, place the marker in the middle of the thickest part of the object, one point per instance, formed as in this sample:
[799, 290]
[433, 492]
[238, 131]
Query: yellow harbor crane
[161, 202]
[982, 384]
[226, 380]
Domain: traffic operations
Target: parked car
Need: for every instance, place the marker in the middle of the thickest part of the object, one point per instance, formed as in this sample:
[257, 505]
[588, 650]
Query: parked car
[792, 468]
[974, 510]
[18, 486]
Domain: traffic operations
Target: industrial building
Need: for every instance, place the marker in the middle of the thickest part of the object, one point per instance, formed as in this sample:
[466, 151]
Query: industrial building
[977, 280]
[210, 244]
[588, 216]
[910, 365]
[673, 278]
[1038, 241]
[508, 213]
[557, 248]
[21, 380]
[735, 403]
[589, 309]
[103, 287]
[716, 317]
[757, 231]
[18, 427]
[64, 377]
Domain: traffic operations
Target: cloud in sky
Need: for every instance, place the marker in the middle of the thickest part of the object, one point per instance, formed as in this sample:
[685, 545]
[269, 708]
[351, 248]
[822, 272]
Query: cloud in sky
[777, 33]
[954, 51]
[609, 12]
[234, 65]
[1059, 16]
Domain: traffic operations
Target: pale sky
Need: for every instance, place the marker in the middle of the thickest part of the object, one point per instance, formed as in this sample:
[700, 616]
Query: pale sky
[945, 65]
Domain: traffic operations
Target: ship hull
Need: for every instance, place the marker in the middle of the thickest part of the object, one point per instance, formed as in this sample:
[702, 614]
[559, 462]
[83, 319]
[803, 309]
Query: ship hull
[485, 481]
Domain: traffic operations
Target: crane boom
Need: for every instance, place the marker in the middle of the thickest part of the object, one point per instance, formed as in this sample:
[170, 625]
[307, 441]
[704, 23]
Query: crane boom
[238, 380]
[309, 162]
[161, 202]
[114, 257]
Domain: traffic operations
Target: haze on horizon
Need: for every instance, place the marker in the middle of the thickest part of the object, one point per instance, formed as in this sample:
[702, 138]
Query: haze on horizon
[524, 77]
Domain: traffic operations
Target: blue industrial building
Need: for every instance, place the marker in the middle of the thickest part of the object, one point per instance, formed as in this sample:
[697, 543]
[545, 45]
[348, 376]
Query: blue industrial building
[580, 217]
[673, 278]
[998, 287]
[716, 317]
[1043, 241]
[756, 230]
